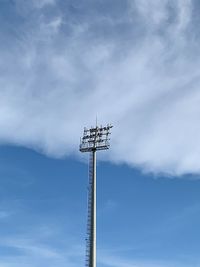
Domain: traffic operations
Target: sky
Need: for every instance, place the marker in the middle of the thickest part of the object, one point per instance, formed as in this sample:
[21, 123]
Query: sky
[134, 64]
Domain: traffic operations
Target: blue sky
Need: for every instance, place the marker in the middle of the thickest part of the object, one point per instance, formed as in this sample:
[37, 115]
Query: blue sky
[132, 63]
[143, 220]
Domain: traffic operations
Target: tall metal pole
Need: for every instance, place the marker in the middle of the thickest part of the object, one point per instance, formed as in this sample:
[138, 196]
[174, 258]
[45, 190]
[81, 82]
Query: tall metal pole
[93, 139]
[93, 217]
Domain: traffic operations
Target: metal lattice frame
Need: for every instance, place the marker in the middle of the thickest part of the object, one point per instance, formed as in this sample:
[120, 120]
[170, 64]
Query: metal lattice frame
[95, 138]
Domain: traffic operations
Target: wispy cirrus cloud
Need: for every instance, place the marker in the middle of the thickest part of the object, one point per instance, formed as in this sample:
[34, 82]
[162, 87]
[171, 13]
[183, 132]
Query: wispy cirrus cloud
[68, 62]
[32, 250]
[115, 261]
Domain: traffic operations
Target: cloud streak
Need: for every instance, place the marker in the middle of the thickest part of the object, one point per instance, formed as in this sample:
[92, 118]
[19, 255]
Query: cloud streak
[38, 250]
[135, 65]
[114, 261]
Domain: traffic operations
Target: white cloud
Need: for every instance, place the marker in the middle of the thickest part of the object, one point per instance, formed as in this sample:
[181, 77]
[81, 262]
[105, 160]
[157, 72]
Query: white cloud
[35, 249]
[116, 261]
[43, 3]
[154, 12]
[185, 13]
[54, 82]
[27, 7]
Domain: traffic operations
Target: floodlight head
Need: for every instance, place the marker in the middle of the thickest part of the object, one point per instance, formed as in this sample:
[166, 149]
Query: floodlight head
[95, 138]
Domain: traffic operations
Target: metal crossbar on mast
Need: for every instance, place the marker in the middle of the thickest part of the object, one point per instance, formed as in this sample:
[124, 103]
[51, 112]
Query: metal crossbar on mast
[94, 139]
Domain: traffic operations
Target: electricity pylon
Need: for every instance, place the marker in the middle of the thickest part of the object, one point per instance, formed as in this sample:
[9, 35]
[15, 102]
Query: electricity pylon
[94, 139]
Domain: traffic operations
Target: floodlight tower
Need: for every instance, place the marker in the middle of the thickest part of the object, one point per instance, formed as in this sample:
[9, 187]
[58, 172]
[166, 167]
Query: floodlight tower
[94, 139]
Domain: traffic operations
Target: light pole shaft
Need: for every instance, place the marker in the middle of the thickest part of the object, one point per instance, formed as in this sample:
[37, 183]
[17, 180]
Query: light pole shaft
[94, 139]
[93, 215]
